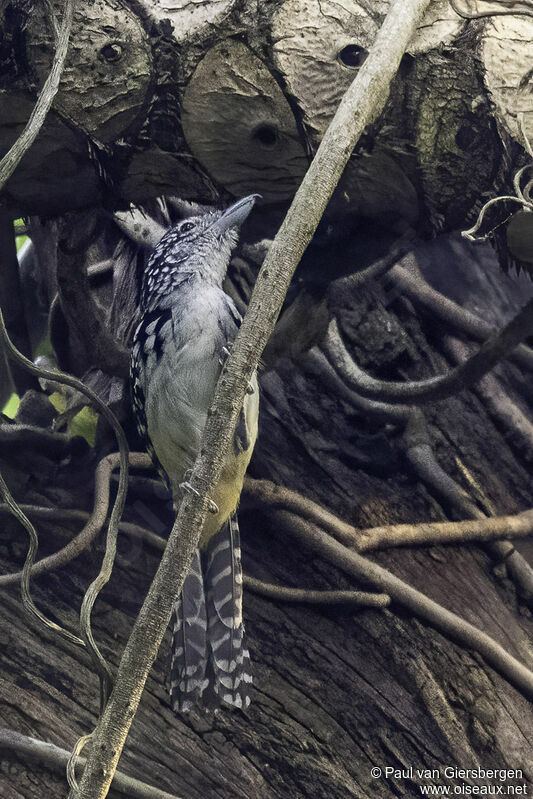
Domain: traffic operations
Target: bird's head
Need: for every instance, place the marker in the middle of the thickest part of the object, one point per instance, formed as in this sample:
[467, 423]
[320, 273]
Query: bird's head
[199, 245]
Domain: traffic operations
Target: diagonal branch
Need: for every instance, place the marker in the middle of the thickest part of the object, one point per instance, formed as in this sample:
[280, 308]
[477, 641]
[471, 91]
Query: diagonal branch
[361, 104]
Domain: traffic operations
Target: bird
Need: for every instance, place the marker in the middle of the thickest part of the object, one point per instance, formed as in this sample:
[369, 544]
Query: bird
[185, 330]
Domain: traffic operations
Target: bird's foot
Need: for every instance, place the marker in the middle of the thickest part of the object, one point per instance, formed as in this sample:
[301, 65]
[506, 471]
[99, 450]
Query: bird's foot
[226, 352]
[187, 486]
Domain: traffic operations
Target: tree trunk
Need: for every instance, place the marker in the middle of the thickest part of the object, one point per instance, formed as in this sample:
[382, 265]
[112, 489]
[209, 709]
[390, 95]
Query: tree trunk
[192, 100]
[229, 98]
[336, 691]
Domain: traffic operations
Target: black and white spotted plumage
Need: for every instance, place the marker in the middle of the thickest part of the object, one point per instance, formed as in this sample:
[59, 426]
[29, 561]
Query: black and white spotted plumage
[188, 679]
[230, 659]
[186, 325]
[147, 343]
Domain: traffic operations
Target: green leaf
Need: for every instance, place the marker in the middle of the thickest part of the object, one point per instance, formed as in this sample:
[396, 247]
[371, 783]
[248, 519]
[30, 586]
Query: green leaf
[19, 240]
[11, 407]
[82, 424]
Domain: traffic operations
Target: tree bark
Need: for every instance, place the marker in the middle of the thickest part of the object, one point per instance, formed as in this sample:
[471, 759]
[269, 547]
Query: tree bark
[174, 99]
[336, 691]
[206, 100]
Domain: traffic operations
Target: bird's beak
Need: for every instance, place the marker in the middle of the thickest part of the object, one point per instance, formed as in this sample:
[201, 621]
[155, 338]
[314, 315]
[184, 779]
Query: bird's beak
[235, 215]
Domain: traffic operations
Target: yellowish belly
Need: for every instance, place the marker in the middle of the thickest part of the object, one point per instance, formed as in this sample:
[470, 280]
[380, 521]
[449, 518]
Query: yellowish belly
[226, 495]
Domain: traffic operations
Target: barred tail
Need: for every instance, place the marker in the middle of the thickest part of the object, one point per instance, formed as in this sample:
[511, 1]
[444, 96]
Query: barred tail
[189, 642]
[229, 659]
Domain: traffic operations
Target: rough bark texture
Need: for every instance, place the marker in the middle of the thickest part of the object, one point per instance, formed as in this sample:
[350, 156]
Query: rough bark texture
[198, 98]
[202, 100]
[336, 692]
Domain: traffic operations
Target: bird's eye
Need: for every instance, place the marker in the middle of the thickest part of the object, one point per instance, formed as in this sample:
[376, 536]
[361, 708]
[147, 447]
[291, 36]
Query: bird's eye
[186, 227]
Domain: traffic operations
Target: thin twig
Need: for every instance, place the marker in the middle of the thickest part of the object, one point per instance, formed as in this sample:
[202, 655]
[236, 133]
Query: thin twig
[55, 758]
[470, 234]
[515, 8]
[517, 425]
[316, 362]
[93, 524]
[522, 197]
[311, 597]
[112, 531]
[360, 106]
[274, 498]
[11, 159]
[417, 603]
[27, 600]
[433, 389]
[448, 311]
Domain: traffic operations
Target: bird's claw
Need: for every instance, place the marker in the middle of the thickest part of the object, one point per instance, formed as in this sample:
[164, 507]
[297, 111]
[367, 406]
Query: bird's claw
[225, 355]
[187, 486]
